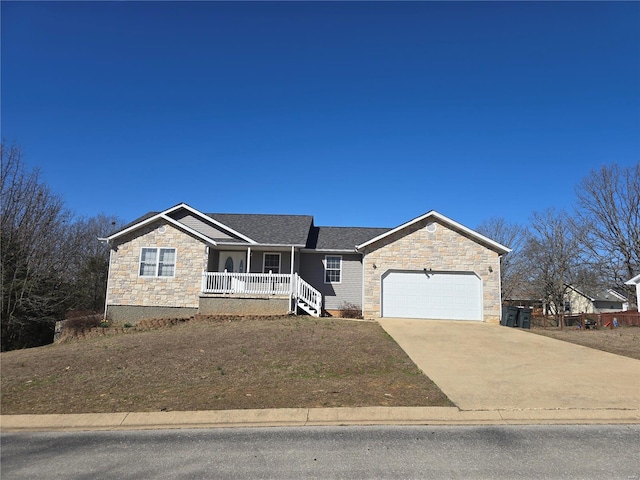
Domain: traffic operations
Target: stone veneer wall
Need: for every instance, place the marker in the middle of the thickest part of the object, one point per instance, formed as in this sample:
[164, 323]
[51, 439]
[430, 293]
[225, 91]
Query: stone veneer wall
[126, 287]
[444, 250]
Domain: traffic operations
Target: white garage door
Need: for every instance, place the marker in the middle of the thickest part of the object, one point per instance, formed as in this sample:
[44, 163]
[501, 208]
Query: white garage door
[437, 295]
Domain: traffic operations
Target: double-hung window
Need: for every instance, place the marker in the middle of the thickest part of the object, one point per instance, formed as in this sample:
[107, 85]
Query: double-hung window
[157, 262]
[332, 269]
[271, 263]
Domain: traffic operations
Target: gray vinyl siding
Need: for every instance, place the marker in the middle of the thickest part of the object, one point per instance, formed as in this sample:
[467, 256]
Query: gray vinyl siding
[200, 226]
[214, 258]
[349, 290]
[257, 259]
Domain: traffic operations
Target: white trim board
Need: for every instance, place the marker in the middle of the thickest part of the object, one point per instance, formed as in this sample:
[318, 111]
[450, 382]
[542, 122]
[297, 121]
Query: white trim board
[501, 249]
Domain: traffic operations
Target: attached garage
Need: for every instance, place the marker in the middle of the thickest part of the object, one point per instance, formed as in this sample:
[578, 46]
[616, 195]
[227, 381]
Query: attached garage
[432, 295]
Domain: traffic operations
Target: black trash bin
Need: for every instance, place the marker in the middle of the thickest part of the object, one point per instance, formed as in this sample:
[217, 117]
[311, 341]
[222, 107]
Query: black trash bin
[509, 316]
[524, 318]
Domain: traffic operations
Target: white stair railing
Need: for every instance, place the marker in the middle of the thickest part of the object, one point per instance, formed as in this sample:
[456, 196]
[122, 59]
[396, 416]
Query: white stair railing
[307, 297]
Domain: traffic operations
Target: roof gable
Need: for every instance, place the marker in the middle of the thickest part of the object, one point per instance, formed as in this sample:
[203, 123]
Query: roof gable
[634, 281]
[223, 228]
[603, 295]
[285, 230]
[175, 216]
[487, 242]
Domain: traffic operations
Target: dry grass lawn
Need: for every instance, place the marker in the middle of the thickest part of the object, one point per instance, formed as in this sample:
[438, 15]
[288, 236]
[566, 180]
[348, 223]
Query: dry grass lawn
[621, 341]
[203, 365]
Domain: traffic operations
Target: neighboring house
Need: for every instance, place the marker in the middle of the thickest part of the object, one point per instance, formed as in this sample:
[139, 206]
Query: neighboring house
[180, 261]
[580, 300]
[635, 281]
[525, 296]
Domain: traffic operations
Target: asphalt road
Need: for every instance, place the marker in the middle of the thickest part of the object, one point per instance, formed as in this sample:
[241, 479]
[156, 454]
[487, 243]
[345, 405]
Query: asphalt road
[549, 452]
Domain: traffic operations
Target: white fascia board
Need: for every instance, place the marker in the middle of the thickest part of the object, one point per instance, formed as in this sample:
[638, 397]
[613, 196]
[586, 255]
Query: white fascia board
[135, 226]
[616, 294]
[445, 220]
[289, 245]
[162, 216]
[330, 250]
[579, 292]
[149, 220]
[278, 246]
[207, 218]
[193, 232]
[634, 281]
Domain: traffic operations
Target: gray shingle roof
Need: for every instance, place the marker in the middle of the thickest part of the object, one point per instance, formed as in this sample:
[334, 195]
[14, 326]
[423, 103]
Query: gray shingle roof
[343, 238]
[270, 229]
[137, 220]
[287, 230]
[602, 295]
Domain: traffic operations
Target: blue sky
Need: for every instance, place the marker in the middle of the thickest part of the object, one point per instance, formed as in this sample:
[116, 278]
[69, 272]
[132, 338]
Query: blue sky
[364, 114]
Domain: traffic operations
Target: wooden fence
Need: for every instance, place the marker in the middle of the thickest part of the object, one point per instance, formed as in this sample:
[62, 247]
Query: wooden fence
[590, 320]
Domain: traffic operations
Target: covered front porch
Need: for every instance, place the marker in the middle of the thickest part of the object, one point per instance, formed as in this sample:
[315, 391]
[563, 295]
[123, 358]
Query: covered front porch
[249, 272]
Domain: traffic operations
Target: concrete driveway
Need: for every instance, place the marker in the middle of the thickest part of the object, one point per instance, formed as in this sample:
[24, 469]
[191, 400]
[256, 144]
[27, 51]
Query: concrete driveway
[482, 366]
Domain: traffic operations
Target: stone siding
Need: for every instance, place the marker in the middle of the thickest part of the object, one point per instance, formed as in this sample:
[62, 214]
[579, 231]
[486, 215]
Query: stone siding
[126, 287]
[414, 248]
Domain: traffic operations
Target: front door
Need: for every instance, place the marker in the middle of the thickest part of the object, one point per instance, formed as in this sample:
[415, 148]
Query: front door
[232, 262]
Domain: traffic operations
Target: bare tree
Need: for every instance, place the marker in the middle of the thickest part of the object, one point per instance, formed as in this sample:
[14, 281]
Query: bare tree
[512, 272]
[90, 266]
[609, 218]
[49, 261]
[552, 253]
[33, 253]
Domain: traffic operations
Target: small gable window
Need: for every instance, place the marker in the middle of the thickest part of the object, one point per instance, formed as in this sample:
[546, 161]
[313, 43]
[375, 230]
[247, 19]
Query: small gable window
[157, 262]
[332, 269]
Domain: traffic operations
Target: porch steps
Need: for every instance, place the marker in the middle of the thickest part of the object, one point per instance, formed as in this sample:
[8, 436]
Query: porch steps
[308, 308]
[305, 297]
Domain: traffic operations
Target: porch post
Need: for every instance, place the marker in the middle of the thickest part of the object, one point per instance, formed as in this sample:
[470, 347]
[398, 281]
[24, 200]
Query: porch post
[292, 257]
[248, 259]
[291, 279]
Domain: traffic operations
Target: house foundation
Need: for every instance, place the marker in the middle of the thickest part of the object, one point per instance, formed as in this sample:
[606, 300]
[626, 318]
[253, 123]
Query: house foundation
[120, 314]
[241, 305]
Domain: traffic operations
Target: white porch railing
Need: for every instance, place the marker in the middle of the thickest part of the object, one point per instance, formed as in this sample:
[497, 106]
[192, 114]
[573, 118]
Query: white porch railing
[249, 283]
[301, 293]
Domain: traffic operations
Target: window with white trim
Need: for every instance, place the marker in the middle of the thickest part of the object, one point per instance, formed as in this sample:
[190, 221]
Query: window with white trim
[271, 263]
[157, 262]
[332, 269]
